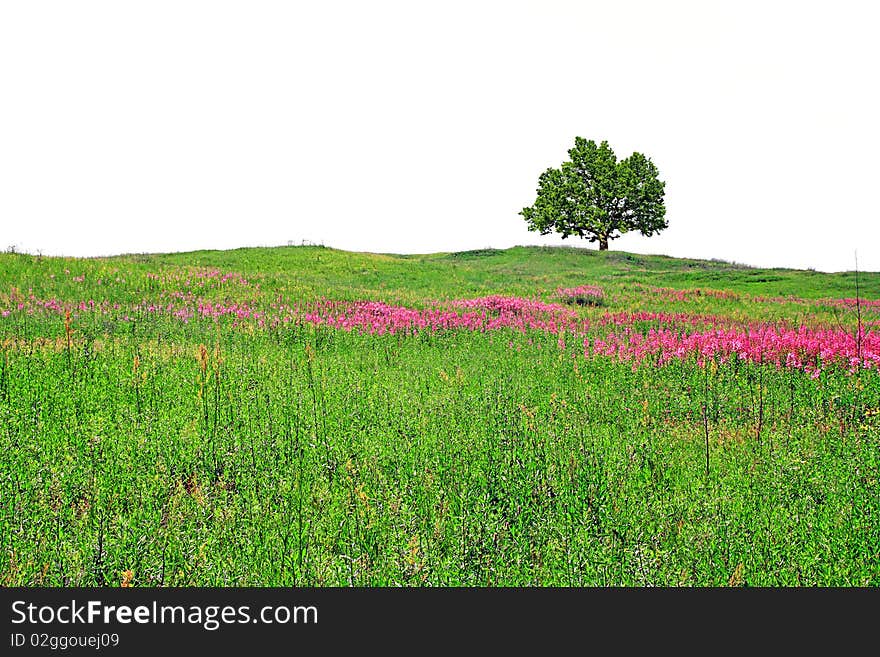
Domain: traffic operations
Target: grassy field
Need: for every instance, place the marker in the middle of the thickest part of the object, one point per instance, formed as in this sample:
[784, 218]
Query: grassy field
[307, 416]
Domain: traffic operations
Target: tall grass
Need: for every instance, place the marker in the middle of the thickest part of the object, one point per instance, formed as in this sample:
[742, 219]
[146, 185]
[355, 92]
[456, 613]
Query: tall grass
[139, 448]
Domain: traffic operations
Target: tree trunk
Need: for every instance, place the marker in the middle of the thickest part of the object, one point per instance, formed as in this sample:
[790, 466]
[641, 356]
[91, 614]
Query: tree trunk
[603, 243]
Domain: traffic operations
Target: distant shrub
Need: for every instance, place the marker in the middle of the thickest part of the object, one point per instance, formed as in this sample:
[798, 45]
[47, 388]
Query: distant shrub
[585, 295]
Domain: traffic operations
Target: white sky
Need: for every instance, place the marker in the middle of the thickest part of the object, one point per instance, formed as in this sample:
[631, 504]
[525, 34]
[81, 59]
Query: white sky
[416, 127]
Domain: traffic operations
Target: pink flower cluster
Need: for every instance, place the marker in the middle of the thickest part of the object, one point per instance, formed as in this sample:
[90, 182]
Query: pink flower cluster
[689, 294]
[239, 311]
[637, 337]
[513, 306]
[584, 294]
[851, 303]
[808, 349]
[59, 307]
[871, 304]
[694, 294]
[482, 314]
[662, 319]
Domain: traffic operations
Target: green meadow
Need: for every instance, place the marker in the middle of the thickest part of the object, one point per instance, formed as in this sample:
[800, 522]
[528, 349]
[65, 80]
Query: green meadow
[149, 439]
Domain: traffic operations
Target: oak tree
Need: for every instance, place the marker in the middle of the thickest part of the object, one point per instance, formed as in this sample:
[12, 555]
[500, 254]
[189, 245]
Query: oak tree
[596, 197]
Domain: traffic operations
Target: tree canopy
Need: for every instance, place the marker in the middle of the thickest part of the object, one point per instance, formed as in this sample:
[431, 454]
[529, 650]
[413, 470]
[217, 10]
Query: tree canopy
[596, 197]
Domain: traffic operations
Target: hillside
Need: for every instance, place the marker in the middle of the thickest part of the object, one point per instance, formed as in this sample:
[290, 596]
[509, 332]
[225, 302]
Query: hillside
[303, 416]
[519, 270]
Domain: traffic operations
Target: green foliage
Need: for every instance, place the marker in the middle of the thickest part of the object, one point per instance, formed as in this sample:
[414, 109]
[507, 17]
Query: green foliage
[595, 197]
